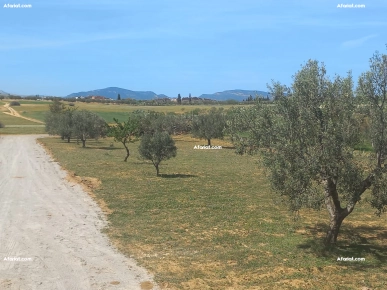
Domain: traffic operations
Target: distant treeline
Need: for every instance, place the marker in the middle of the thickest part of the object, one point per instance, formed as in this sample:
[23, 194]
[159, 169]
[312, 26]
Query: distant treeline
[128, 101]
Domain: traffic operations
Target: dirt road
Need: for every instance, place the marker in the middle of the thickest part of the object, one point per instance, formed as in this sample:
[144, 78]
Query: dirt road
[50, 229]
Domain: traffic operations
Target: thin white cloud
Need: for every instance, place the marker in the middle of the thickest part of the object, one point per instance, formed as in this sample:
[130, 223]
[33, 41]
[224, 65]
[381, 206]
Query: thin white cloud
[21, 42]
[357, 42]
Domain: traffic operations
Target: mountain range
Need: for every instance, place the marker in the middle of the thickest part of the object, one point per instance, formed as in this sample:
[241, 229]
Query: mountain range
[238, 95]
[112, 93]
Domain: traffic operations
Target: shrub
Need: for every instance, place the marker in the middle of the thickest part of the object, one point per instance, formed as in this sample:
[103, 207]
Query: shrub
[1, 125]
[14, 103]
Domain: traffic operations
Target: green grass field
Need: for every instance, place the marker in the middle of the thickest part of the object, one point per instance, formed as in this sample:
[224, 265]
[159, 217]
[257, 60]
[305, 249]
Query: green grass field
[11, 120]
[15, 125]
[38, 109]
[211, 222]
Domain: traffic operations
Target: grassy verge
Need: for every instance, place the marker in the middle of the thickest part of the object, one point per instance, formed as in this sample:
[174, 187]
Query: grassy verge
[22, 130]
[210, 222]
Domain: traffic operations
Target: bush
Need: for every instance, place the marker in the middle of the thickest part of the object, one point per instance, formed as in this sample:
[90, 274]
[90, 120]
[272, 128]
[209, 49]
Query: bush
[14, 103]
[1, 125]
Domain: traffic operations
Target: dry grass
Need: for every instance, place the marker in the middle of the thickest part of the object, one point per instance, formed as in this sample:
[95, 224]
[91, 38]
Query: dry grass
[211, 222]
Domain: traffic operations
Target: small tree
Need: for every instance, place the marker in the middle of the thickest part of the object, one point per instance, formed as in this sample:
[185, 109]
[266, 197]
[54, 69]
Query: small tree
[65, 124]
[56, 106]
[119, 97]
[157, 147]
[59, 121]
[88, 125]
[125, 132]
[210, 125]
[190, 99]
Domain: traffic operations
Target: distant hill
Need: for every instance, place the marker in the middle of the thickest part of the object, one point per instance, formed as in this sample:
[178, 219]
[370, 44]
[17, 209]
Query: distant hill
[238, 95]
[3, 93]
[112, 93]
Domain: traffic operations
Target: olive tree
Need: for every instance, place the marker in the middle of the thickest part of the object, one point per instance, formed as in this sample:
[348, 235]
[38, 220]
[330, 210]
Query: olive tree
[59, 121]
[56, 106]
[157, 147]
[307, 138]
[125, 132]
[210, 125]
[66, 124]
[372, 92]
[88, 125]
[52, 117]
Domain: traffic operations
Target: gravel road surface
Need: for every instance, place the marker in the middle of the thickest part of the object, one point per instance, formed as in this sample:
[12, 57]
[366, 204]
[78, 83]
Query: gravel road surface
[50, 229]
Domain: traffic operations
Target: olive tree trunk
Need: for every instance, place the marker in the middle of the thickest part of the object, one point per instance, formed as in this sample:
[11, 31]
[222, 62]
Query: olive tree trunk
[334, 228]
[127, 152]
[336, 213]
[157, 170]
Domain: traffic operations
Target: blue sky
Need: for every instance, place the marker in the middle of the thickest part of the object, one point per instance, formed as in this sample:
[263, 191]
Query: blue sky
[172, 47]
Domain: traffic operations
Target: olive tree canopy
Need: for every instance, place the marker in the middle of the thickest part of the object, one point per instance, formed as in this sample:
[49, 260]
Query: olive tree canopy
[307, 136]
[157, 147]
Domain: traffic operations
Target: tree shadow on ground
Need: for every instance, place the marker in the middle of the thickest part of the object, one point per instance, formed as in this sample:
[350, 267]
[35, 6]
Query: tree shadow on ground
[177, 175]
[353, 241]
[101, 147]
[228, 147]
[108, 148]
